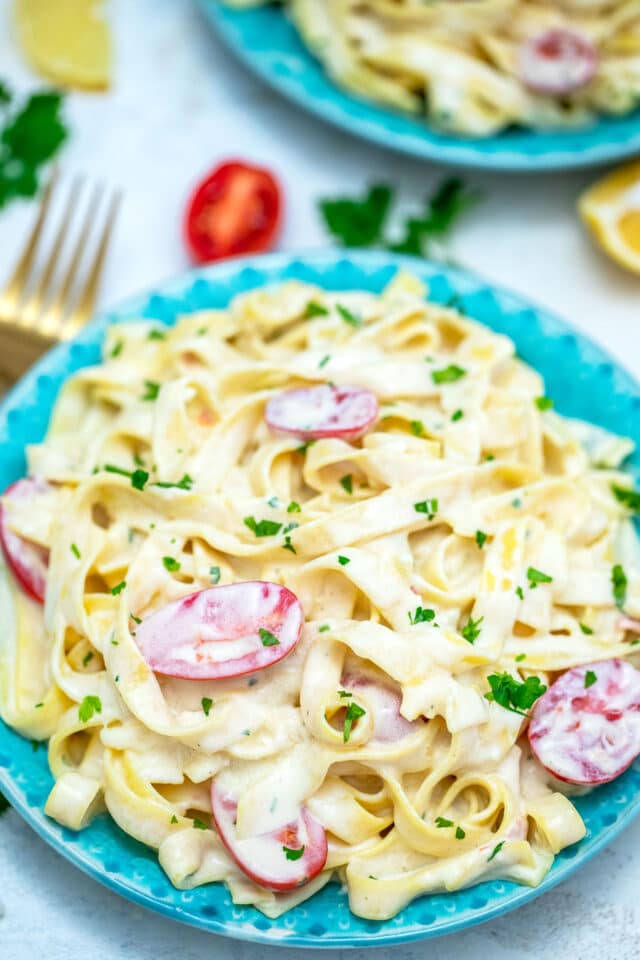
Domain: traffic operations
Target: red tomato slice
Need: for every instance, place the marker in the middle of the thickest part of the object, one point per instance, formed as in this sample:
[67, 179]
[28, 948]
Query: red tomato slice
[558, 62]
[589, 734]
[222, 631]
[28, 561]
[236, 209]
[388, 723]
[311, 413]
[263, 857]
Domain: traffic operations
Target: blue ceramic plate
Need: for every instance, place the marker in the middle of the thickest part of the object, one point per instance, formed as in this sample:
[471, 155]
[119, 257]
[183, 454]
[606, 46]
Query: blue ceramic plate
[596, 390]
[267, 42]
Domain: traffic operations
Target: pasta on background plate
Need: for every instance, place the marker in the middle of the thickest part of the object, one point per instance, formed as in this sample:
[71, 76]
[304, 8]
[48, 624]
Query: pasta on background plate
[287, 583]
[475, 67]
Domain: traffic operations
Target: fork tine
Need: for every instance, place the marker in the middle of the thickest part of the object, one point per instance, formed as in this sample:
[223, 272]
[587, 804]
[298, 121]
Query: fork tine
[15, 288]
[87, 297]
[41, 294]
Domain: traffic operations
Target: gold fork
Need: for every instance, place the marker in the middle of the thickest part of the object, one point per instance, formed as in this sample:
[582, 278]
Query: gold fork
[52, 291]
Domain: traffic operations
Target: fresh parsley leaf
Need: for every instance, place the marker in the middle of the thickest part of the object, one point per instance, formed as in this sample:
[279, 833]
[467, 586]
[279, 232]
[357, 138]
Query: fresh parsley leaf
[458, 415]
[460, 834]
[185, 483]
[619, 583]
[268, 639]
[344, 693]
[119, 587]
[496, 850]
[450, 199]
[520, 592]
[359, 222]
[87, 658]
[630, 498]
[151, 390]
[481, 538]
[30, 138]
[287, 545]
[343, 561]
[262, 528]
[421, 615]
[171, 564]
[544, 403]
[156, 334]
[214, 575]
[585, 629]
[88, 707]
[305, 446]
[207, 703]
[443, 822]
[348, 316]
[346, 483]
[293, 854]
[521, 657]
[472, 629]
[75, 551]
[117, 348]
[354, 711]
[138, 477]
[448, 374]
[324, 628]
[324, 361]
[513, 694]
[200, 825]
[537, 576]
[174, 819]
[314, 309]
[589, 678]
[417, 428]
[430, 507]
[293, 507]
[137, 620]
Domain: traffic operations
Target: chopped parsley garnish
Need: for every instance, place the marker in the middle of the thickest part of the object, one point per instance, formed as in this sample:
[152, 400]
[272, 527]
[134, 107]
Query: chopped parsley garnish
[496, 850]
[314, 309]
[585, 629]
[287, 545]
[116, 350]
[268, 639]
[262, 528]
[305, 446]
[138, 477]
[343, 561]
[537, 576]
[151, 390]
[430, 507]
[30, 135]
[200, 825]
[458, 415]
[87, 658]
[516, 503]
[293, 507]
[513, 694]
[521, 657]
[292, 854]
[75, 551]
[174, 819]
[630, 498]
[88, 707]
[448, 374]
[589, 678]
[619, 584]
[472, 629]
[460, 834]
[417, 428]
[171, 564]
[185, 483]
[156, 334]
[348, 316]
[544, 403]
[481, 538]
[324, 628]
[443, 822]
[324, 361]
[214, 575]
[354, 711]
[274, 502]
[346, 483]
[207, 703]
[38, 705]
[119, 587]
[344, 693]
[137, 620]
[421, 615]
[520, 593]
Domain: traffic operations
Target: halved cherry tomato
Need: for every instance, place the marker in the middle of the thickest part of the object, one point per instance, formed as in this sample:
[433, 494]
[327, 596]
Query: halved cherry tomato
[28, 561]
[222, 631]
[236, 209]
[384, 702]
[586, 730]
[311, 413]
[264, 857]
[557, 62]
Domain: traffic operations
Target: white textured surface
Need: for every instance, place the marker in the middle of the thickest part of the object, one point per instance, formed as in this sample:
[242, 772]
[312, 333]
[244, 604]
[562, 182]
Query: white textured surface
[180, 102]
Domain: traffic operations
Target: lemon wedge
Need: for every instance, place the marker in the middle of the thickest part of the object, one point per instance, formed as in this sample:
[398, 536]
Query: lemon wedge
[611, 211]
[67, 41]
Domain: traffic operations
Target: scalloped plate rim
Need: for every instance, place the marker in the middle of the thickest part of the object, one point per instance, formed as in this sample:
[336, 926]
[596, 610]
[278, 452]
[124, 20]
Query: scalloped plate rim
[383, 131]
[276, 267]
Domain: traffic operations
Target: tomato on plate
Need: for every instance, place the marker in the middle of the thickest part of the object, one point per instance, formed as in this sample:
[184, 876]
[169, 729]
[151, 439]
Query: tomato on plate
[586, 728]
[236, 209]
[312, 413]
[222, 632]
[281, 860]
[28, 561]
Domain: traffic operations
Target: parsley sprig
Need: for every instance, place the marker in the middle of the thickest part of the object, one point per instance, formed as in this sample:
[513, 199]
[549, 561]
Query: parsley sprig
[31, 134]
[513, 694]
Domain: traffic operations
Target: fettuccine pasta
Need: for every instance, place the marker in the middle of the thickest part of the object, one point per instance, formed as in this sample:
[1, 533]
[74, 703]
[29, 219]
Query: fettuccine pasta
[421, 573]
[475, 67]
